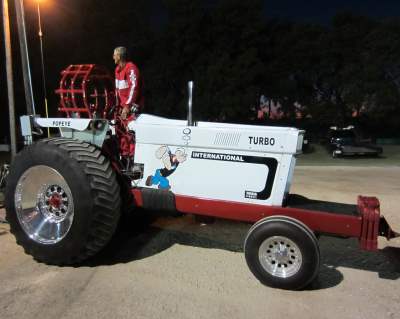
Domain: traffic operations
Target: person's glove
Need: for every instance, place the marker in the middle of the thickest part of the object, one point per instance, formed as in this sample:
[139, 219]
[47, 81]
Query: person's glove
[135, 108]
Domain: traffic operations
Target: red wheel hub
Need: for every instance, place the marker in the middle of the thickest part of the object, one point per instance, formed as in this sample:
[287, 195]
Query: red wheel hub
[55, 201]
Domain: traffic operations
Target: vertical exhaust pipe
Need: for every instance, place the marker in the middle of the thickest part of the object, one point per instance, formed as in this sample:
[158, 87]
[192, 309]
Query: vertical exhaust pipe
[190, 103]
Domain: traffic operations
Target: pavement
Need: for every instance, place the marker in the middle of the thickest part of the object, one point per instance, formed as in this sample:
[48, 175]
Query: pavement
[179, 268]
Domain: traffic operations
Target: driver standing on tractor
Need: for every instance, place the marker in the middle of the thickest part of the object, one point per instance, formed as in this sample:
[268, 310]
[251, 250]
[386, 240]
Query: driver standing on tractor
[129, 100]
[128, 84]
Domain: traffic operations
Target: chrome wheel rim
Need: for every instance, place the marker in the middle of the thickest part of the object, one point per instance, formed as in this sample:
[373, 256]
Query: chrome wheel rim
[280, 256]
[44, 204]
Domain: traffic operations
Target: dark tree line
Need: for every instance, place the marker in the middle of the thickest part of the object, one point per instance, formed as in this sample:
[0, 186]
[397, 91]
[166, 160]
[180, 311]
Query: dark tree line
[234, 54]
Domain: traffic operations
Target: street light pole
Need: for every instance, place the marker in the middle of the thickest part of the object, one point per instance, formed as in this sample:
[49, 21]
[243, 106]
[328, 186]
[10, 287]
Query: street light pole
[10, 82]
[42, 61]
[23, 44]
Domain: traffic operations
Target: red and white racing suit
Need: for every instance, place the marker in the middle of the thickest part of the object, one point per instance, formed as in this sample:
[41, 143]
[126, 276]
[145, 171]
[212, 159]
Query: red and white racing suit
[128, 87]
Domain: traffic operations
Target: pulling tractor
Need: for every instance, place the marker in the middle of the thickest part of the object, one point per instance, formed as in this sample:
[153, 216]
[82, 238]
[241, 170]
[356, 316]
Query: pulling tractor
[65, 194]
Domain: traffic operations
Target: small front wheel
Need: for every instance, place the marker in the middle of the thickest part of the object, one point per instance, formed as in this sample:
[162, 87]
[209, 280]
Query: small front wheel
[282, 252]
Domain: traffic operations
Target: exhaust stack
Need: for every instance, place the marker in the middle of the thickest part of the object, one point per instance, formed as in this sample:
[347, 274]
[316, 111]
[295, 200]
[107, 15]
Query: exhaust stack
[190, 101]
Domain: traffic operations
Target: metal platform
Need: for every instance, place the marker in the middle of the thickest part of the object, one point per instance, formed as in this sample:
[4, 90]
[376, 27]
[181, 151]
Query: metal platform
[301, 202]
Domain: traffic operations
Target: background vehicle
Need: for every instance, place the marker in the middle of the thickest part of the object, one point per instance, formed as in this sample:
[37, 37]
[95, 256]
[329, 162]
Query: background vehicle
[344, 142]
[65, 194]
[307, 146]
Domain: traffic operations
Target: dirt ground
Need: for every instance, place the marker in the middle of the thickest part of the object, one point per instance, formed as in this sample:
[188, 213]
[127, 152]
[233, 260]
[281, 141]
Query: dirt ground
[179, 268]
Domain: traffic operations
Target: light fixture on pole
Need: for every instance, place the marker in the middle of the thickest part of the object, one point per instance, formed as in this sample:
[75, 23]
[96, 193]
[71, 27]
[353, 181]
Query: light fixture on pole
[42, 62]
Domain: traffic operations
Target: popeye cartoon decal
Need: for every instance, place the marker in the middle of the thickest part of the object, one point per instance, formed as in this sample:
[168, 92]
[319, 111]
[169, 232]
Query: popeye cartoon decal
[171, 162]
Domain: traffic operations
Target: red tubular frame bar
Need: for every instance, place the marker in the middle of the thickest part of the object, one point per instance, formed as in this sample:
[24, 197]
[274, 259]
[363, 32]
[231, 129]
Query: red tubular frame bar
[365, 226]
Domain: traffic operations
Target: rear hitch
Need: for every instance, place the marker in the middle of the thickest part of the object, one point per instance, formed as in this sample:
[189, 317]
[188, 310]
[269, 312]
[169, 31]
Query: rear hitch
[373, 224]
[385, 230]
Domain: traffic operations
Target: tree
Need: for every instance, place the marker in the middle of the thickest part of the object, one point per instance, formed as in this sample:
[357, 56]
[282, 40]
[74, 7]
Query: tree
[217, 48]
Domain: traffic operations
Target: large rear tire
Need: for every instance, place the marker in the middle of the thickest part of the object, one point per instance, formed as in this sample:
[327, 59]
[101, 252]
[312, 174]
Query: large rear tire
[62, 200]
[282, 253]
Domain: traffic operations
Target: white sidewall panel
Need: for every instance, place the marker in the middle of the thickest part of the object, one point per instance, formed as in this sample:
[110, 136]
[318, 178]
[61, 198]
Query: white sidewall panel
[242, 163]
[225, 179]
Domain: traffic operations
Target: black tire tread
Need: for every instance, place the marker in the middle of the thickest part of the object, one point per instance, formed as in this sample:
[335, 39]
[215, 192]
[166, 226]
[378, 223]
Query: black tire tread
[106, 198]
[295, 225]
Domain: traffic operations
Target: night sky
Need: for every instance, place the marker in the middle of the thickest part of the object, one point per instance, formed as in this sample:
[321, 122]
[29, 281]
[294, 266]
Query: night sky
[321, 12]
[63, 34]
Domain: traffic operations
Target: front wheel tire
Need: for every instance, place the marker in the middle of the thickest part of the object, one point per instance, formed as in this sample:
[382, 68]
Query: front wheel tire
[62, 200]
[282, 252]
